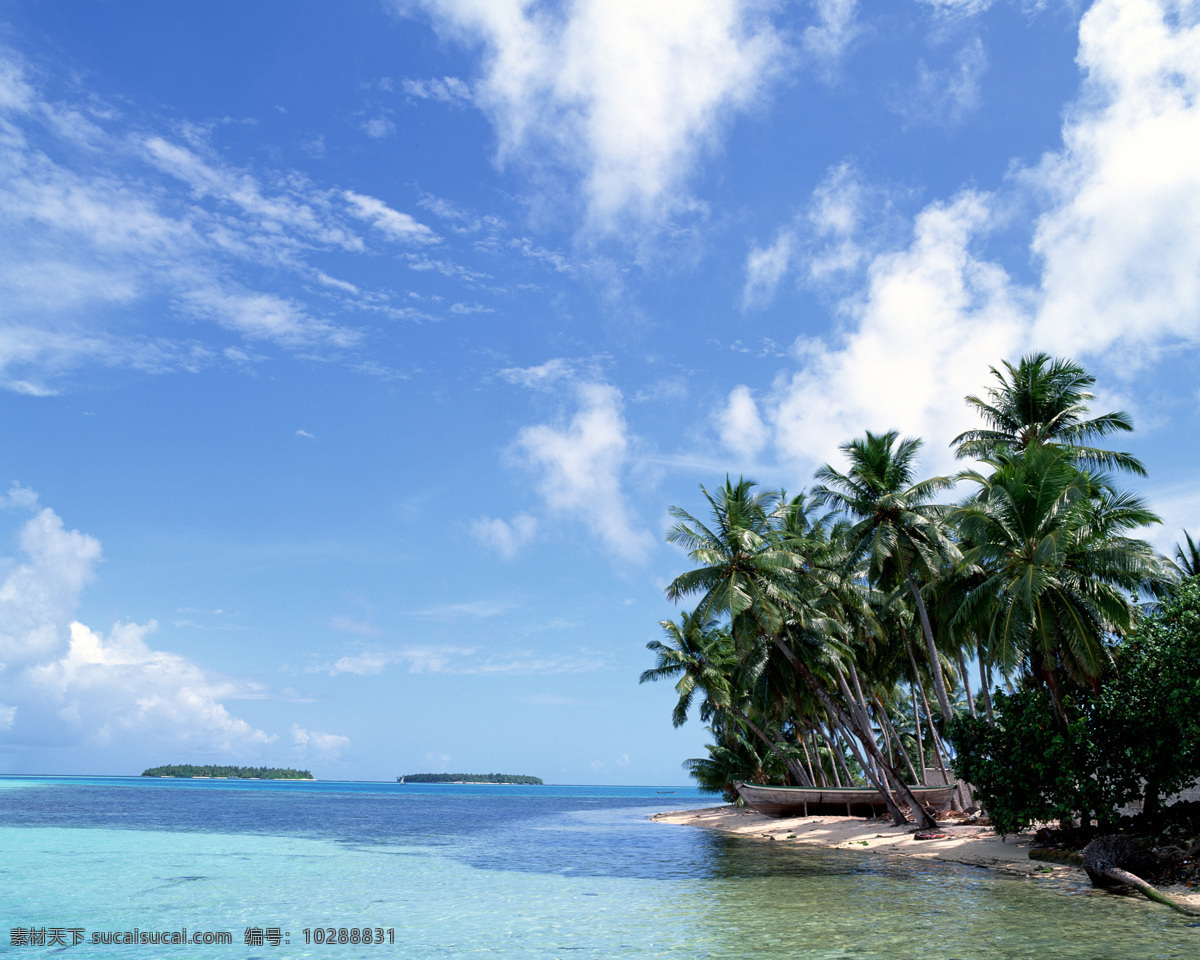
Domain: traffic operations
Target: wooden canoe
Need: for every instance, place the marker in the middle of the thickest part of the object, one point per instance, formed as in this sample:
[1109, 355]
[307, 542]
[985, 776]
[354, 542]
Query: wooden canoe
[838, 801]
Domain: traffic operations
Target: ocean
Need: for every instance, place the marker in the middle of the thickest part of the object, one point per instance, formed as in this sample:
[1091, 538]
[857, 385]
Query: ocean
[119, 867]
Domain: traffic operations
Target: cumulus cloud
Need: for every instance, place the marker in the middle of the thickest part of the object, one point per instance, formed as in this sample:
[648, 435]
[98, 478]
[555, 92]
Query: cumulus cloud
[933, 317]
[741, 428]
[39, 596]
[506, 537]
[1120, 261]
[325, 745]
[580, 465]
[113, 688]
[623, 94]
[66, 685]
[1119, 245]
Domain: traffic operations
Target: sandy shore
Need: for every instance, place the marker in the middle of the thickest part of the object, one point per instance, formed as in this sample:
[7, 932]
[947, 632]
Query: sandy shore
[953, 843]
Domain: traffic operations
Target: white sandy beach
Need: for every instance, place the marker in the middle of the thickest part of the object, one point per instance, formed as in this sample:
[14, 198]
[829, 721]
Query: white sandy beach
[977, 846]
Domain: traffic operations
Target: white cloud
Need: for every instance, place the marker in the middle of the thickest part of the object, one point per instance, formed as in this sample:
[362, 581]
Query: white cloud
[542, 376]
[394, 224]
[765, 268]
[39, 596]
[580, 466]
[68, 686]
[19, 497]
[326, 745]
[306, 435]
[458, 660]
[740, 426]
[957, 8]
[1120, 258]
[114, 689]
[1120, 247]
[264, 316]
[505, 537]
[836, 28]
[100, 222]
[945, 96]
[923, 333]
[447, 90]
[378, 128]
[626, 94]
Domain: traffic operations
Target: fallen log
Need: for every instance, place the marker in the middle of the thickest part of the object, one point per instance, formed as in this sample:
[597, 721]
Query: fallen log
[1113, 859]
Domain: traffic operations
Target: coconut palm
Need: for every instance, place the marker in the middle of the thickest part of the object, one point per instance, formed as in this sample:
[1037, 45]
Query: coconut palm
[1058, 568]
[896, 528]
[1187, 559]
[1045, 401]
[745, 568]
[701, 655]
[760, 565]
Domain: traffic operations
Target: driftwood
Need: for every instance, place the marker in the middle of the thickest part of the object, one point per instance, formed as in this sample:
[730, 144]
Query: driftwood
[1118, 859]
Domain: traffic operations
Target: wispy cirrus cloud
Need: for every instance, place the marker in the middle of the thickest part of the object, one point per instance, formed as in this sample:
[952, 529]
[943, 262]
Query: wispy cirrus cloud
[453, 659]
[102, 222]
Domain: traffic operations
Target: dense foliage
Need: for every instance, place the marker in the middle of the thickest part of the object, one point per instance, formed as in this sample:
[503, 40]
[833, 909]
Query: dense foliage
[516, 778]
[232, 773]
[1136, 737]
[829, 649]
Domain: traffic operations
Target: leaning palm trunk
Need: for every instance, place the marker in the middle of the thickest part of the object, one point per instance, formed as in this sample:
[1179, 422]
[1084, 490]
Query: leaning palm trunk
[793, 768]
[807, 757]
[919, 812]
[833, 755]
[934, 739]
[935, 662]
[962, 668]
[881, 712]
[985, 680]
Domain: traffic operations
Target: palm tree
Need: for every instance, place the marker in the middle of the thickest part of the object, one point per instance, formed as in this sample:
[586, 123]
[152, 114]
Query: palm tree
[896, 529]
[701, 655]
[1045, 401]
[1058, 569]
[1187, 559]
[744, 567]
[756, 566]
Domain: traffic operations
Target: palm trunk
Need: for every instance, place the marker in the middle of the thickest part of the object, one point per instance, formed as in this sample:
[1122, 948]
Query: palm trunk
[917, 729]
[807, 757]
[985, 679]
[922, 816]
[962, 668]
[820, 762]
[837, 780]
[935, 662]
[795, 770]
[882, 711]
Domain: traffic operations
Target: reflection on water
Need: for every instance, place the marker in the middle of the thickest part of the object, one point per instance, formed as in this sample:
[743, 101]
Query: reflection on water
[509, 876]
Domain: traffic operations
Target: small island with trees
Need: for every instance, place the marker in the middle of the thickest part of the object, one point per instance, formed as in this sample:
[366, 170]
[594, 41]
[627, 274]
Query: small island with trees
[213, 772]
[504, 778]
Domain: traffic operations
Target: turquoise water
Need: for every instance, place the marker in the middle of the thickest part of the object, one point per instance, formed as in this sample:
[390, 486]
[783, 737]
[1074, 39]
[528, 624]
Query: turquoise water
[503, 872]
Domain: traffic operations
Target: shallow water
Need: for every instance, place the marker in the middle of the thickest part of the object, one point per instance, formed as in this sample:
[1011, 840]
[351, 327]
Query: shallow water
[506, 872]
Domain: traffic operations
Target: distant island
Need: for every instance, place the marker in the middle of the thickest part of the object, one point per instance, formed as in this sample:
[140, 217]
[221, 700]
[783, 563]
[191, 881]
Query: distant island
[470, 778]
[229, 773]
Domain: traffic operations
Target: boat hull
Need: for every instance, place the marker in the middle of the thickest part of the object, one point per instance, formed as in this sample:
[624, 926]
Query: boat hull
[844, 802]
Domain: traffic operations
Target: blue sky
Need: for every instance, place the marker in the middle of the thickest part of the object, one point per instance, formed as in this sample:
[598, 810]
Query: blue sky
[351, 355]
